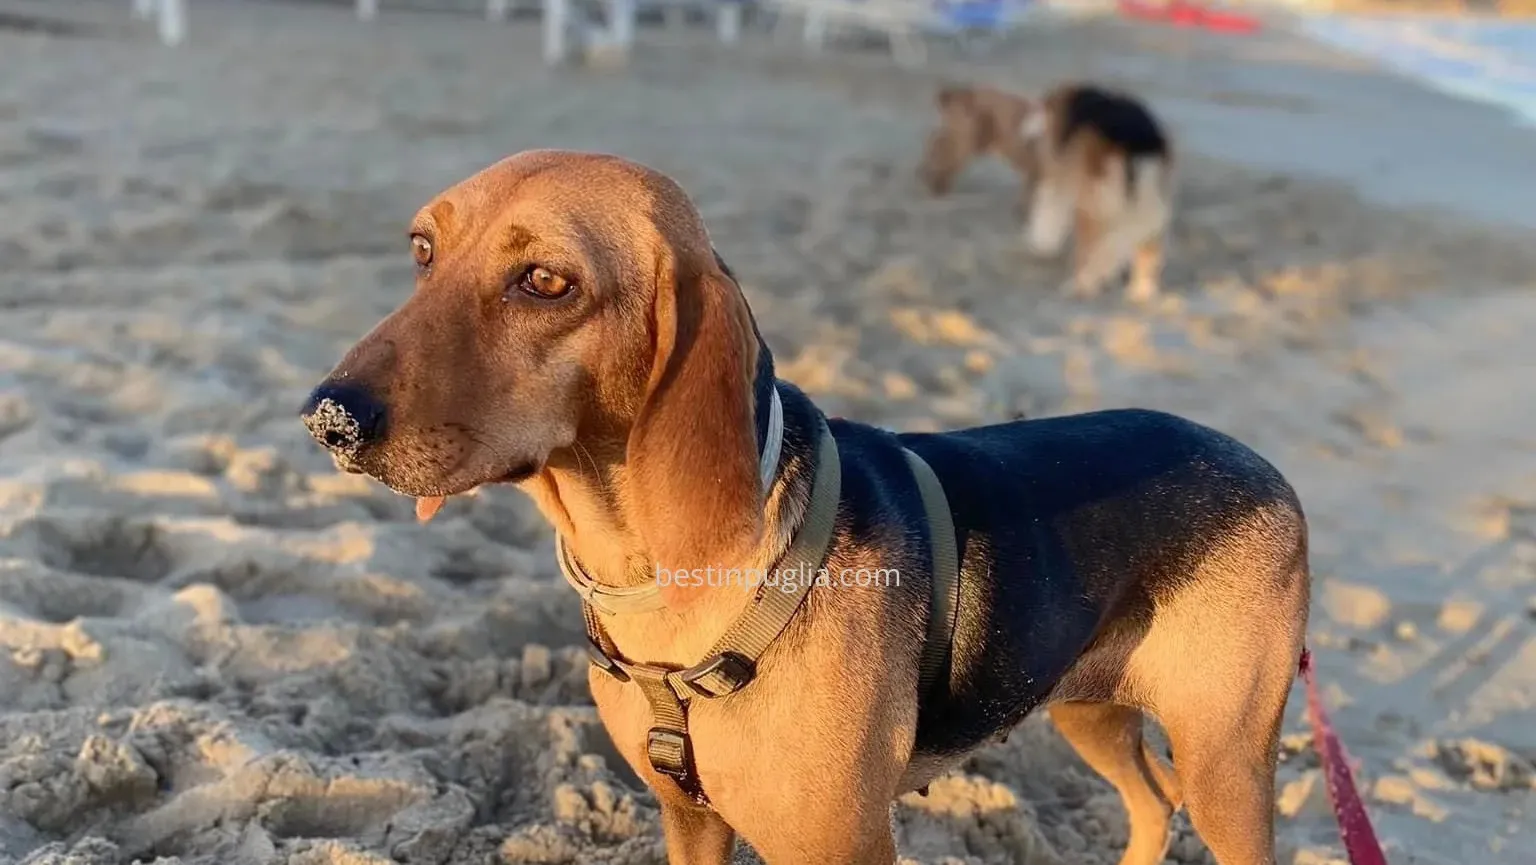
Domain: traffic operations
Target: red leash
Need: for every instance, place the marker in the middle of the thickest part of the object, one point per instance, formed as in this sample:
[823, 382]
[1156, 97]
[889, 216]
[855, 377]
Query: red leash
[1354, 824]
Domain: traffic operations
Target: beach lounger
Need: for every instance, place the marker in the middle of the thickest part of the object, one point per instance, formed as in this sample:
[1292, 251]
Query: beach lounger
[905, 22]
[899, 20]
[495, 10]
[616, 37]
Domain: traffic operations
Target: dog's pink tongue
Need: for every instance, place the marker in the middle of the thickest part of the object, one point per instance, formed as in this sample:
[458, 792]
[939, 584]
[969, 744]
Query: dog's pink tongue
[427, 508]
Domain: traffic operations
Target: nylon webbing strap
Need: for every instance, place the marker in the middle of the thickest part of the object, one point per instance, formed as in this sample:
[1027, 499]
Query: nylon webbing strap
[945, 575]
[756, 629]
[666, 743]
[609, 599]
[731, 663]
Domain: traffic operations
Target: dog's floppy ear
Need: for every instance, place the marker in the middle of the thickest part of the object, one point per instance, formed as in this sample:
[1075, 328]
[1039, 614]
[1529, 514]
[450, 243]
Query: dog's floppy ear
[693, 448]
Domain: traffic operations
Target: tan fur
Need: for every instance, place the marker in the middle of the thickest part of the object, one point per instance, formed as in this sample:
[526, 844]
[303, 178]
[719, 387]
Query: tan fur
[635, 409]
[1220, 719]
[705, 356]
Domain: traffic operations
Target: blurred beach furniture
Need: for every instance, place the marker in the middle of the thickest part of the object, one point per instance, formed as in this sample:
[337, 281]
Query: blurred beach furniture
[605, 30]
[1487, 59]
[170, 18]
[905, 23]
[613, 40]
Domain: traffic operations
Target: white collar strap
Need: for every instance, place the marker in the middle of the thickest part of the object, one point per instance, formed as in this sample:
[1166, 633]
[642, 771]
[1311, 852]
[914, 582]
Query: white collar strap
[773, 443]
[647, 596]
[608, 599]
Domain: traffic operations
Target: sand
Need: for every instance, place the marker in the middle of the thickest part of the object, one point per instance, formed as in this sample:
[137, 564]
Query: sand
[216, 649]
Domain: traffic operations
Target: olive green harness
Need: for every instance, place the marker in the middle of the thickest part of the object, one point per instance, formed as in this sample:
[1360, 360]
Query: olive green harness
[731, 663]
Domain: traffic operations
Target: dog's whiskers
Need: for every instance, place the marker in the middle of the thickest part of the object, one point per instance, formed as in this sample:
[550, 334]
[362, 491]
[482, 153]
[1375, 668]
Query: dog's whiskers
[582, 449]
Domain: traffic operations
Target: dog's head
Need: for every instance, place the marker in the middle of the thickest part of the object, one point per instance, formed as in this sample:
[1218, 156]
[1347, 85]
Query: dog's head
[973, 121]
[568, 309]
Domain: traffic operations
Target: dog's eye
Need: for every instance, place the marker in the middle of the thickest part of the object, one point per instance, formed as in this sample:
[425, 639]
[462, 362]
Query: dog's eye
[421, 250]
[544, 283]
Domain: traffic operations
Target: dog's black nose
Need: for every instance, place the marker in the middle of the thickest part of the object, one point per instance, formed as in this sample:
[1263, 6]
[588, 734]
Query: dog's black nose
[342, 417]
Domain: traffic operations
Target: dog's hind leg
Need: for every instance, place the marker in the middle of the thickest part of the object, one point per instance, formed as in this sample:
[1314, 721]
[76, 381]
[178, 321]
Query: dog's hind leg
[1218, 664]
[1134, 226]
[1108, 738]
[1225, 760]
[1108, 253]
[1146, 270]
[1154, 197]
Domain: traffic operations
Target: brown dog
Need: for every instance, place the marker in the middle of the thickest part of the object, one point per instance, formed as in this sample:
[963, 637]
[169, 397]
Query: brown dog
[1095, 163]
[574, 333]
[977, 121]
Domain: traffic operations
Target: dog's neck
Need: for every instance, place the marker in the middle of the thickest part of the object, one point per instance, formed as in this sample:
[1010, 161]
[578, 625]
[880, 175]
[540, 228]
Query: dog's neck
[584, 497]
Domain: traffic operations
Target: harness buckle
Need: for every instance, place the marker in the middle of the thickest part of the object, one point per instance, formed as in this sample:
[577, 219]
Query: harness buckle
[668, 752]
[723, 674]
[600, 660]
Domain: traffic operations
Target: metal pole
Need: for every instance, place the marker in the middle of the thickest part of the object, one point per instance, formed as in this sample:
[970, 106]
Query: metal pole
[557, 16]
[173, 21]
[729, 24]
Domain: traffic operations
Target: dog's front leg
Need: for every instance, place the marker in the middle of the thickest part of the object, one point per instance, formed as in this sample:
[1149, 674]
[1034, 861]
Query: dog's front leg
[821, 793]
[847, 832]
[695, 835]
[1050, 216]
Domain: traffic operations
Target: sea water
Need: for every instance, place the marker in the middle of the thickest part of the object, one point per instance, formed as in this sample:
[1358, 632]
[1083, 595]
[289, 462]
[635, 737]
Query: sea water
[1490, 61]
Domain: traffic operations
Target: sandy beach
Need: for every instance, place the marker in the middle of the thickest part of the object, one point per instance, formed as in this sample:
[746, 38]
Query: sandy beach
[216, 649]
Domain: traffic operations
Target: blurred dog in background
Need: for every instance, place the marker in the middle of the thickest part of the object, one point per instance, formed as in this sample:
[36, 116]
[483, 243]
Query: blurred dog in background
[1095, 164]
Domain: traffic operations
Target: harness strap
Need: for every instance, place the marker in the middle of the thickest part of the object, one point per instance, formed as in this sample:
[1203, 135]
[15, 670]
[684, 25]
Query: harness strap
[731, 663]
[944, 574]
